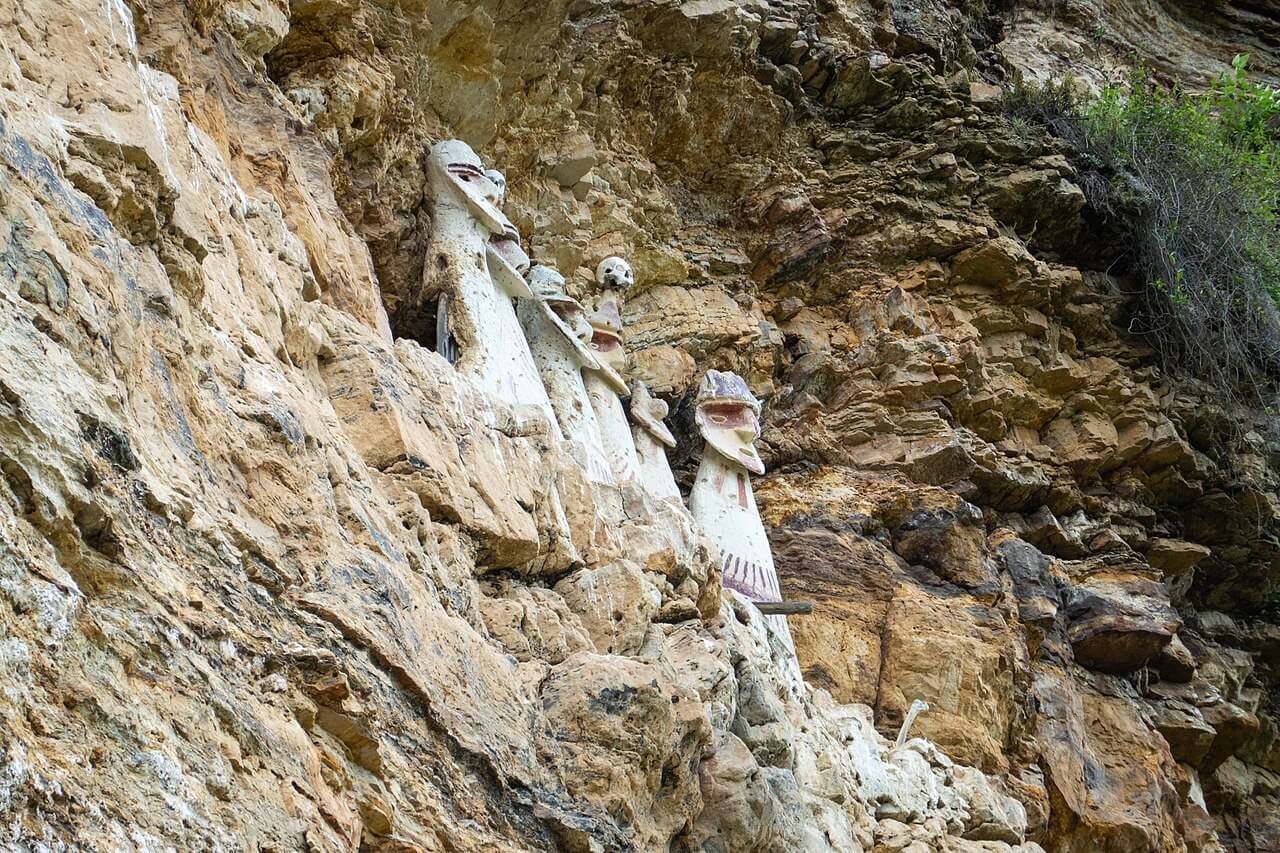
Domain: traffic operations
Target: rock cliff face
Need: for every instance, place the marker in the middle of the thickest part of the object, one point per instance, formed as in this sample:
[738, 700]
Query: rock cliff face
[274, 577]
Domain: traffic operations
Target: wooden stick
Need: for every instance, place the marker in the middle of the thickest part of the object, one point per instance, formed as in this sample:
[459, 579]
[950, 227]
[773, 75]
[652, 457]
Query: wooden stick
[785, 608]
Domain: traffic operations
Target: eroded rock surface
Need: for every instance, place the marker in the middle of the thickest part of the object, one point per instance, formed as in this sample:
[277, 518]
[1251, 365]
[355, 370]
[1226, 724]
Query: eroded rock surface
[274, 576]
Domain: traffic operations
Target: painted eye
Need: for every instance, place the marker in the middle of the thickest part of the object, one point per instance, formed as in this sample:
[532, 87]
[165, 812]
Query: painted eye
[718, 419]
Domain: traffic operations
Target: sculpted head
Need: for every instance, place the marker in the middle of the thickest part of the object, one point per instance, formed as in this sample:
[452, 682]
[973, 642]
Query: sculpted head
[548, 287]
[614, 273]
[728, 416]
[648, 411]
[458, 178]
[507, 247]
[500, 181]
[606, 335]
[546, 283]
[508, 261]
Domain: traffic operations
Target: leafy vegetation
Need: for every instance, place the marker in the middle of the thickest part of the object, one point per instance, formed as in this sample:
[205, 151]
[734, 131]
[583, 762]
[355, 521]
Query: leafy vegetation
[1271, 606]
[1192, 181]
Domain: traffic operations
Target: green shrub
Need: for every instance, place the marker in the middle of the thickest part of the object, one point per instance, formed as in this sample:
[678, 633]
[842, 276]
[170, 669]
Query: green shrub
[1192, 182]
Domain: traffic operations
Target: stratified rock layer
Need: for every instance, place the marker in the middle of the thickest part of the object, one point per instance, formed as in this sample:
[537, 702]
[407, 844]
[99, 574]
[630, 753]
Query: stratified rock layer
[274, 576]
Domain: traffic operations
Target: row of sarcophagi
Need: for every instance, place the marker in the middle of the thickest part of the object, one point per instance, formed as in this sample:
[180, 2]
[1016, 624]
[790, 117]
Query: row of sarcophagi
[515, 331]
[512, 327]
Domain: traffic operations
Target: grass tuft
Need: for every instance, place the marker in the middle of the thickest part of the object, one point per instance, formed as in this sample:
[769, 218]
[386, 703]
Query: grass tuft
[1192, 181]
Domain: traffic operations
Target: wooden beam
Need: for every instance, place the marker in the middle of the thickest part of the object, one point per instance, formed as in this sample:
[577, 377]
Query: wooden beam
[785, 608]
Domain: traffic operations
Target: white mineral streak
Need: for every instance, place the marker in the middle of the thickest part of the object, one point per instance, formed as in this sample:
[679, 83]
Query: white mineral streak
[13, 63]
[723, 503]
[118, 9]
[556, 327]
[232, 195]
[479, 275]
[652, 438]
[157, 88]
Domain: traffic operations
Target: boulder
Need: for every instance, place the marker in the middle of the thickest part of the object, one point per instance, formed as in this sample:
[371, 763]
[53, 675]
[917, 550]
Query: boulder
[1119, 621]
[615, 604]
[1188, 735]
[1233, 727]
[631, 741]
[1174, 557]
[1175, 662]
[738, 807]
[1085, 735]
[993, 816]
[950, 543]
[960, 657]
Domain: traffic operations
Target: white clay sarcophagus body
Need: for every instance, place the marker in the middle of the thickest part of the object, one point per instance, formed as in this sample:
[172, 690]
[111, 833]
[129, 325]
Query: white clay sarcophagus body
[475, 262]
[559, 336]
[605, 386]
[722, 500]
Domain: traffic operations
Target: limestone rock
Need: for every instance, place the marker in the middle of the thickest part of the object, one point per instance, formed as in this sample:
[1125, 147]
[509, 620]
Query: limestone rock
[634, 741]
[738, 810]
[1119, 622]
[615, 603]
[1175, 661]
[1173, 557]
[274, 575]
[1186, 731]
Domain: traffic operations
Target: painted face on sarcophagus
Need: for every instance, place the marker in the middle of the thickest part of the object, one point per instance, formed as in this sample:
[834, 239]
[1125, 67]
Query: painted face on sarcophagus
[457, 176]
[648, 411]
[508, 261]
[571, 313]
[728, 416]
[565, 313]
[606, 335]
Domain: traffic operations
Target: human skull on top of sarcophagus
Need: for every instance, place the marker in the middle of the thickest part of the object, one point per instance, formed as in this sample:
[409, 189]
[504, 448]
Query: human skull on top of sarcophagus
[722, 500]
[476, 264]
[559, 336]
[615, 274]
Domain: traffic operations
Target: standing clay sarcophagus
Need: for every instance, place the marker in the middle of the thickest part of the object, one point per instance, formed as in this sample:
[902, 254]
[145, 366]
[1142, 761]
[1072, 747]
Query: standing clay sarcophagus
[559, 336]
[508, 262]
[722, 501]
[652, 438]
[605, 386]
[475, 262]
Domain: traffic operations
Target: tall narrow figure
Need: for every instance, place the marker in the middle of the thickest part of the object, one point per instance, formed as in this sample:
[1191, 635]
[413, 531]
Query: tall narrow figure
[652, 438]
[722, 501]
[606, 385]
[475, 259]
[559, 335]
